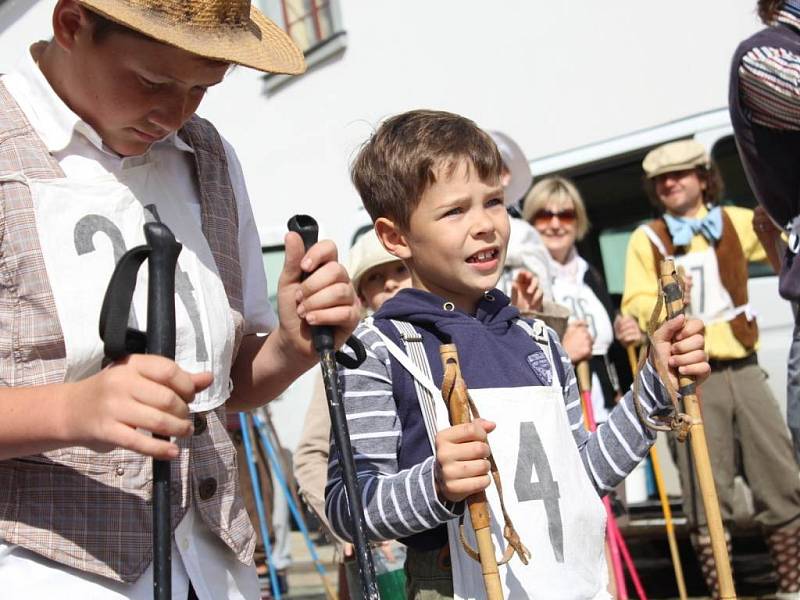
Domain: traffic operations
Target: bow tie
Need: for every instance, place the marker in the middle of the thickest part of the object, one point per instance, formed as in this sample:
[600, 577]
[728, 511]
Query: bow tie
[683, 230]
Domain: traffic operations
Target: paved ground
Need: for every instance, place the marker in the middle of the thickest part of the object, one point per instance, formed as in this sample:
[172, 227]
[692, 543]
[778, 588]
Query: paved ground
[645, 540]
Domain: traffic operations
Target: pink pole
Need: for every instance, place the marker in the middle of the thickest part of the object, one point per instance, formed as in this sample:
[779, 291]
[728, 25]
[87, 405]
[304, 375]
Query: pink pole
[626, 556]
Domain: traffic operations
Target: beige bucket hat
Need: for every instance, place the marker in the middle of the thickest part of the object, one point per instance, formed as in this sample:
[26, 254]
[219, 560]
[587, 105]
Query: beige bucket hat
[366, 253]
[675, 156]
[230, 31]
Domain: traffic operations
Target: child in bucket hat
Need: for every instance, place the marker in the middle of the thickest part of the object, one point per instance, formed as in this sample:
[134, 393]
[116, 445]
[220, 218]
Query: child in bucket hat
[97, 137]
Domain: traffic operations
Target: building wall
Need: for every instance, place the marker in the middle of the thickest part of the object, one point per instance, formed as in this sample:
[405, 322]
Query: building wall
[554, 75]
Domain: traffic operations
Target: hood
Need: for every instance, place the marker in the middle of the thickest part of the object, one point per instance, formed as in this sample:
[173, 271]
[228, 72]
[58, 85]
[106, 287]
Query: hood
[494, 313]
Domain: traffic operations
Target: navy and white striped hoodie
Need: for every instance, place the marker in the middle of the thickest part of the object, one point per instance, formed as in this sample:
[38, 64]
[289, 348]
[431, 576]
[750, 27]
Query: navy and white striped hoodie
[394, 458]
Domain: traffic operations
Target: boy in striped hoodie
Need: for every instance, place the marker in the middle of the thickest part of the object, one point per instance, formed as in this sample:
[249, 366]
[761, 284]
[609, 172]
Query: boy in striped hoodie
[431, 183]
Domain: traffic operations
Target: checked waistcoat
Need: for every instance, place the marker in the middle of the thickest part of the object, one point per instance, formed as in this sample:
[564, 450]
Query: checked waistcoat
[88, 510]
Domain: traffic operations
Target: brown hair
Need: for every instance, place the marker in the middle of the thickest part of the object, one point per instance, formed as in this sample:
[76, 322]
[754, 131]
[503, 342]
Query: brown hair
[715, 187]
[561, 192]
[103, 27]
[407, 152]
[768, 10]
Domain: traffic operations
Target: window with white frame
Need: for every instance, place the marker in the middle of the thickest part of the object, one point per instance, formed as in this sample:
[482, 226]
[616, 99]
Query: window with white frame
[310, 23]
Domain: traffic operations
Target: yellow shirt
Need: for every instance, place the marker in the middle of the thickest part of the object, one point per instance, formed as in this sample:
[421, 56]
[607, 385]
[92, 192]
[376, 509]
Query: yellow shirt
[641, 281]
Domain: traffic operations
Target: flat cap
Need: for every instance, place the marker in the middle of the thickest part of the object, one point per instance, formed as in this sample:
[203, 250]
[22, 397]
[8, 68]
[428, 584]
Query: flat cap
[675, 156]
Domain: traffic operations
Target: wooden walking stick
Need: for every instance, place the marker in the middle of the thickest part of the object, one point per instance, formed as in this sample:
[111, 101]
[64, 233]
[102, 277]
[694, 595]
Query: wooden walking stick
[479, 513]
[662, 496]
[672, 292]
[461, 409]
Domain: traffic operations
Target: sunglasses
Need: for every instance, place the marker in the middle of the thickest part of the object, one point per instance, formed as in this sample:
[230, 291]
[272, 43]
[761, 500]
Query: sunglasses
[544, 216]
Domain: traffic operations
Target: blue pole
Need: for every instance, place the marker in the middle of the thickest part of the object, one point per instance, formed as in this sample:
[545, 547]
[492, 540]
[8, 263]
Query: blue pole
[279, 477]
[262, 519]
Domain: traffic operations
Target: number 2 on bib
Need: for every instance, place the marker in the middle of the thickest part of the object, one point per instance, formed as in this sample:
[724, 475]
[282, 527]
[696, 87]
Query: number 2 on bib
[532, 455]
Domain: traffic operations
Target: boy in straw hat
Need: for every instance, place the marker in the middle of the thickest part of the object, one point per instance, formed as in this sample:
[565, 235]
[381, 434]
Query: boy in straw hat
[714, 245]
[98, 136]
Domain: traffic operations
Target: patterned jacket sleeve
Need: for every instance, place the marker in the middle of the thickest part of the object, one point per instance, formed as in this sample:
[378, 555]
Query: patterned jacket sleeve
[611, 453]
[770, 87]
[397, 503]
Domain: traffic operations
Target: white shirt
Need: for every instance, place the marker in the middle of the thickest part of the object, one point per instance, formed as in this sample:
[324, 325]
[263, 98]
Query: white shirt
[197, 553]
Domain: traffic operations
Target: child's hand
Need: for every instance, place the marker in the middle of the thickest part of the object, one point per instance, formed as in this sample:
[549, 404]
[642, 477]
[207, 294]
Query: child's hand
[526, 294]
[679, 343]
[326, 297]
[462, 468]
[627, 331]
[577, 341]
[150, 392]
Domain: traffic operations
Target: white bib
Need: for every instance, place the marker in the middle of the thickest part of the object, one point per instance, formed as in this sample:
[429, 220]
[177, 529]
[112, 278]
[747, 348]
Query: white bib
[86, 225]
[553, 506]
[710, 301]
[584, 305]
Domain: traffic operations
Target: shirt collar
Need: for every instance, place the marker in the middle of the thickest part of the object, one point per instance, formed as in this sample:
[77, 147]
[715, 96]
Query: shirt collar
[790, 14]
[50, 117]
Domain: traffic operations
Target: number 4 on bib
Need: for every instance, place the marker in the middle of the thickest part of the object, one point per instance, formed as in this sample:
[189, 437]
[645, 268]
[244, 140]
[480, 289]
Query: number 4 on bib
[532, 455]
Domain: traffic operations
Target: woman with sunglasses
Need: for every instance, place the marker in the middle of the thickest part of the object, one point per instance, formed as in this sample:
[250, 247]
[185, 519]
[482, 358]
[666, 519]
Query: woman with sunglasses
[555, 208]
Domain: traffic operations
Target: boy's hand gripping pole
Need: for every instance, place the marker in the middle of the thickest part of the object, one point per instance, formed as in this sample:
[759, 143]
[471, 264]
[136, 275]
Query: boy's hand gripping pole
[324, 345]
[672, 292]
[461, 409]
[161, 252]
[479, 512]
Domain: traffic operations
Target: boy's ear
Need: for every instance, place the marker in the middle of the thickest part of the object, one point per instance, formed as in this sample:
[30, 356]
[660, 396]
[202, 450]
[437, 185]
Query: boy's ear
[69, 21]
[392, 238]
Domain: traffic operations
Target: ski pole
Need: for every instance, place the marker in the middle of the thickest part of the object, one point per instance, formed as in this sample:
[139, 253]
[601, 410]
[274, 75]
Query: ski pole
[255, 481]
[161, 265]
[673, 299]
[662, 496]
[307, 227]
[277, 471]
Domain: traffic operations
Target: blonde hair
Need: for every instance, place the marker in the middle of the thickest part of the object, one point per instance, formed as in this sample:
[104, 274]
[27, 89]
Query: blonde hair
[561, 192]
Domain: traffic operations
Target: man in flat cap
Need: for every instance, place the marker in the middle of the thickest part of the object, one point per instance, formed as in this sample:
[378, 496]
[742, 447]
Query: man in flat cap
[714, 245]
[98, 136]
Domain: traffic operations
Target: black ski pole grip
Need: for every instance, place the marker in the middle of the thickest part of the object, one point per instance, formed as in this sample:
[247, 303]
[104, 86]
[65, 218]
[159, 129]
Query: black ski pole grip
[161, 289]
[306, 226]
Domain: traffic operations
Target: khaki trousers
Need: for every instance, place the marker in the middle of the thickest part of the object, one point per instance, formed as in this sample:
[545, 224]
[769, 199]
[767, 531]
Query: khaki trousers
[746, 435]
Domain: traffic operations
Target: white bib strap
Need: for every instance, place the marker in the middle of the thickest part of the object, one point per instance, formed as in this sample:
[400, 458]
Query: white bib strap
[653, 237]
[538, 333]
[415, 361]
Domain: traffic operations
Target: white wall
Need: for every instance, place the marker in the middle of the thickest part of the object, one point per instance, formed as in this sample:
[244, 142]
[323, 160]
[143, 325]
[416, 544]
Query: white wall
[555, 75]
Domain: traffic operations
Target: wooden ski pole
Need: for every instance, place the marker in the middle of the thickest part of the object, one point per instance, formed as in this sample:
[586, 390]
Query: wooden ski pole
[673, 300]
[662, 496]
[480, 515]
[585, 387]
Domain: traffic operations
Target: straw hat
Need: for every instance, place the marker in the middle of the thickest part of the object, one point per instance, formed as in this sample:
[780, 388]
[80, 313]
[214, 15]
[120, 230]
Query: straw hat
[366, 253]
[675, 156]
[230, 31]
[516, 163]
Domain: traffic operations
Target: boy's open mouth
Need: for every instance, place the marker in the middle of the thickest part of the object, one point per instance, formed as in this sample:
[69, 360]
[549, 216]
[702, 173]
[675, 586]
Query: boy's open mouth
[484, 256]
